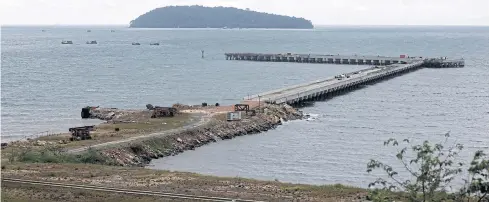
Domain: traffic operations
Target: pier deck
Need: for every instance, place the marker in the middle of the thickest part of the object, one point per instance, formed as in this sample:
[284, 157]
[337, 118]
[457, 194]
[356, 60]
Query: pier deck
[385, 67]
[317, 58]
[332, 86]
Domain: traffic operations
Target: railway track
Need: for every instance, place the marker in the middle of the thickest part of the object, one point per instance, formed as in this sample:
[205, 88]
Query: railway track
[125, 191]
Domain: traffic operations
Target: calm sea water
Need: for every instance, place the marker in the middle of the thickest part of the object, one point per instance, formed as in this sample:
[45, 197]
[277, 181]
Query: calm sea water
[44, 85]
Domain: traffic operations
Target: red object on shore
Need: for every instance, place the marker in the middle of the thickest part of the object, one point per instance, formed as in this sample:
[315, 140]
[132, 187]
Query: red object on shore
[403, 56]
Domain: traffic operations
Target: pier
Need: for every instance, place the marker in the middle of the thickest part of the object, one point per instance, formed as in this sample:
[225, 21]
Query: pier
[328, 59]
[383, 68]
[344, 59]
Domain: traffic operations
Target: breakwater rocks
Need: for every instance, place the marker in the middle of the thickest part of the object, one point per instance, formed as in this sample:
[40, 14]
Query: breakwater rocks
[140, 153]
[113, 115]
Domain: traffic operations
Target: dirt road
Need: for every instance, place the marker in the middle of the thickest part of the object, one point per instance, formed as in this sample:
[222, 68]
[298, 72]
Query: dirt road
[203, 118]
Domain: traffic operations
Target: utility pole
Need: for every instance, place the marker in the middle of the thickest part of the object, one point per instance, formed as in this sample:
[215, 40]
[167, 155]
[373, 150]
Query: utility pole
[202, 53]
[259, 102]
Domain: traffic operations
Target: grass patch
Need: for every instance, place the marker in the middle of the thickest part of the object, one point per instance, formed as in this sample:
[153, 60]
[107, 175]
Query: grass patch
[56, 155]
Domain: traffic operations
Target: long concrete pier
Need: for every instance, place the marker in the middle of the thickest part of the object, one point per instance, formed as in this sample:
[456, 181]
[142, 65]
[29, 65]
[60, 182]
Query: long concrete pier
[342, 59]
[385, 67]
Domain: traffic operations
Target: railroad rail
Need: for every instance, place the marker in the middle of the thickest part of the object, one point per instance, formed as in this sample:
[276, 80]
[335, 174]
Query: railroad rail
[124, 191]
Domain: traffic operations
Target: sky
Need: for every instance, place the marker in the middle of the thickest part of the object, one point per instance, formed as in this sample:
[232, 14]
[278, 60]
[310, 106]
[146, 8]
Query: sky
[320, 12]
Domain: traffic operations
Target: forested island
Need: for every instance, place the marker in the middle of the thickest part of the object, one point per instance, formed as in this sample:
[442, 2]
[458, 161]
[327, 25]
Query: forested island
[215, 17]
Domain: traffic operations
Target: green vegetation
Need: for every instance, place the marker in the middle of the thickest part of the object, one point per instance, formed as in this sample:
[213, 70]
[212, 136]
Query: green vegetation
[432, 169]
[55, 154]
[217, 17]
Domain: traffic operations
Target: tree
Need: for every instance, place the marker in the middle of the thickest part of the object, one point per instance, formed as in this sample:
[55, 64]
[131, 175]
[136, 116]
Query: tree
[477, 186]
[431, 168]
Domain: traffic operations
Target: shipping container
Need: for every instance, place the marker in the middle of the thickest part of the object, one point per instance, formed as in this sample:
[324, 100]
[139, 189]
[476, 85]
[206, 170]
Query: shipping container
[234, 116]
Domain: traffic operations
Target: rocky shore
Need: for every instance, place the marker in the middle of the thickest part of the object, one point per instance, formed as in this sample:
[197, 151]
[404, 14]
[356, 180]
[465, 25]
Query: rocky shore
[114, 115]
[142, 152]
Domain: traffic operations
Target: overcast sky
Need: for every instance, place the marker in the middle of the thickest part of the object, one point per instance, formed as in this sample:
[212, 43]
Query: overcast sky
[321, 12]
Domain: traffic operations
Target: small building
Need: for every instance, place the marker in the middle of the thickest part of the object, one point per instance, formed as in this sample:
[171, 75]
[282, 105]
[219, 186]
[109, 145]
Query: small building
[164, 112]
[234, 116]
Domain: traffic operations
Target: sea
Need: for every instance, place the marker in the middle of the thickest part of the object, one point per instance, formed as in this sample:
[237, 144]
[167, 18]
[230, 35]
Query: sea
[44, 85]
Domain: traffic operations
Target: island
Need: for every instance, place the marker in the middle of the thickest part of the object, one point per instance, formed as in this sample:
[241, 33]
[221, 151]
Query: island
[216, 17]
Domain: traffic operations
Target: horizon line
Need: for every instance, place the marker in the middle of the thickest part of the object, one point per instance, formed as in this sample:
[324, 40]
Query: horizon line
[315, 25]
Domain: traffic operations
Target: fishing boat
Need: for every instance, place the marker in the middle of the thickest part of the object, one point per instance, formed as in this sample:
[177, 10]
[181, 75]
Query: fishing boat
[154, 44]
[67, 42]
[91, 42]
[136, 44]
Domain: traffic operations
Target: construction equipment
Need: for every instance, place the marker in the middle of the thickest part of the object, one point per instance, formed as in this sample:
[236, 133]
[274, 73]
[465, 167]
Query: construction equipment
[159, 112]
[81, 133]
[241, 107]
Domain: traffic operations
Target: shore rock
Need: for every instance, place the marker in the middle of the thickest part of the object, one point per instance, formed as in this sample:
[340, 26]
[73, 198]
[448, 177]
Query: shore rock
[119, 115]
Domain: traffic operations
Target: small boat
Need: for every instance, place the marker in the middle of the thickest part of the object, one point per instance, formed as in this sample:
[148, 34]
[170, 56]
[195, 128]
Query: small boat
[89, 30]
[112, 30]
[135, 44]
[91, 42]
[154, 44]
[67, 42]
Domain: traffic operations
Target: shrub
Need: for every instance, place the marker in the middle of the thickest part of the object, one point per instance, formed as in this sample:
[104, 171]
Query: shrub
[56, 155]
[433, 168]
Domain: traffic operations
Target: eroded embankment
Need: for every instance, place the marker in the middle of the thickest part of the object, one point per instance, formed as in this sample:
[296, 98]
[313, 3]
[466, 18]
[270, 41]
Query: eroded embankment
[140, 153]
